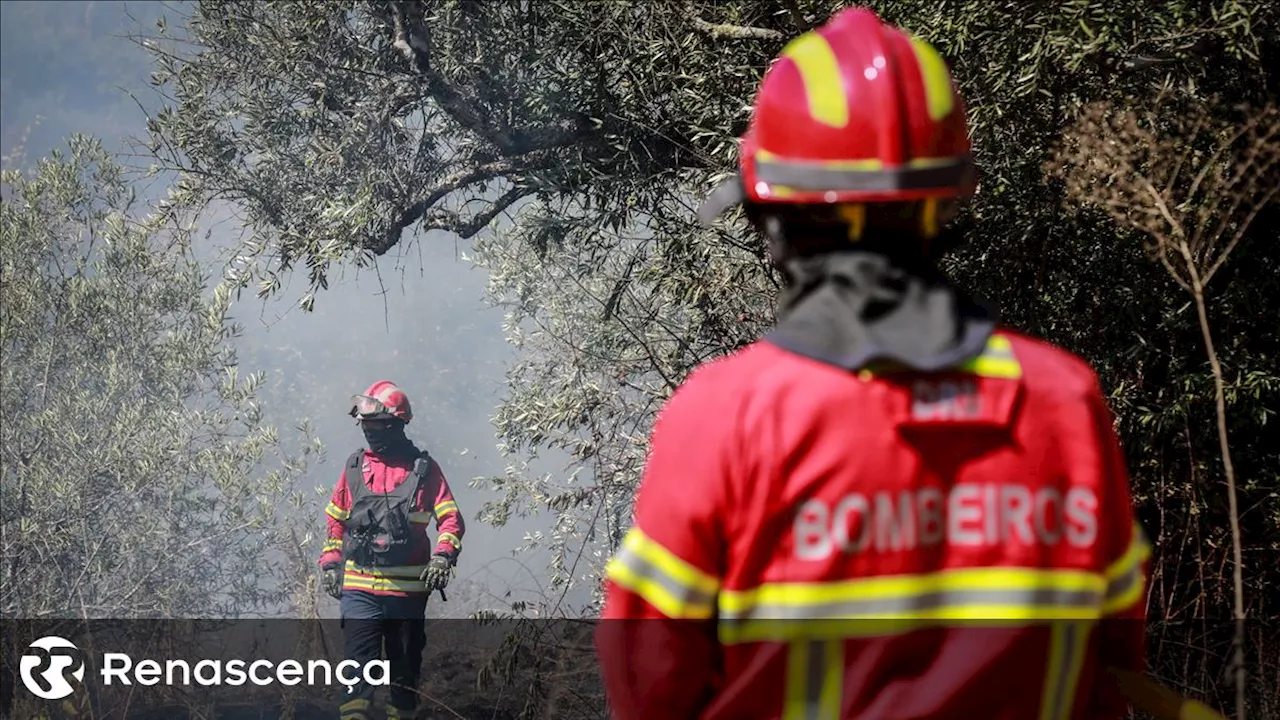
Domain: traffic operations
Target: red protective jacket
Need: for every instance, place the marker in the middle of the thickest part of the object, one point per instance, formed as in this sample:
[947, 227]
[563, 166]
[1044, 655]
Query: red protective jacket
[825, 544]
[434, 501]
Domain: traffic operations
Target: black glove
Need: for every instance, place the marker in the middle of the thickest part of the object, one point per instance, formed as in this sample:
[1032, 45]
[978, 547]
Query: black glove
[333, 582]
[438, 572]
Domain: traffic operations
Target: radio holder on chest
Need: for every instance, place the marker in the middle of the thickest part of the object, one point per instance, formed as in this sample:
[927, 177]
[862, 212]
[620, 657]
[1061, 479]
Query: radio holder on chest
[379, 532]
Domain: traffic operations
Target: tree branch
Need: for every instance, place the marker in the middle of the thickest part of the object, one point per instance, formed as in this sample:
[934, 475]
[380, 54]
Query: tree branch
[457, 181]
[736, 32]
[1241, 229]
[1158, 199]
[722, 31]
[413, 45]
[468, 229]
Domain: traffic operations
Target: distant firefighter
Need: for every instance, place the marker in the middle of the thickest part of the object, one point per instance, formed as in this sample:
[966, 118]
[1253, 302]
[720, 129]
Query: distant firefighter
[379, 560]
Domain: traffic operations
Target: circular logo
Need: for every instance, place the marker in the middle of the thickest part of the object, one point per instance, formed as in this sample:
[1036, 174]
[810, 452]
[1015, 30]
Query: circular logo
[45, 671]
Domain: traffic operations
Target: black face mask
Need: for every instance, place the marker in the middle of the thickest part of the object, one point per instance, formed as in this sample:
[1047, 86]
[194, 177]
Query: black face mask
[387, 440]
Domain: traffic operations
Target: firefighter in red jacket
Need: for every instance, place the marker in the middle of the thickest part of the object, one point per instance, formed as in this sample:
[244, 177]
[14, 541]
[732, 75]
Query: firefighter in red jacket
[379, 560]
[890, 506]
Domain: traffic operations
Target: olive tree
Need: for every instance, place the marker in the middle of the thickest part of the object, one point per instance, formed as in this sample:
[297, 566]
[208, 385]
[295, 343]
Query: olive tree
[138, 478]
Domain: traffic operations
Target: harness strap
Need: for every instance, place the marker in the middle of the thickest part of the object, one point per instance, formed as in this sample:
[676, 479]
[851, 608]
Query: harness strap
[421, 470]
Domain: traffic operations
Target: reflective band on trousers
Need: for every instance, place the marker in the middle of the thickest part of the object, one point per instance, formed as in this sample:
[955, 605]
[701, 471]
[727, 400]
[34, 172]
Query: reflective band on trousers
[815, 680]
[670, 584]
[815, 675]
[1062, 672]
[357, 709]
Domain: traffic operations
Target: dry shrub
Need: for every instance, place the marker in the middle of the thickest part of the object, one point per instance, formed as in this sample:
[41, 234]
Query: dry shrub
[1191, 176]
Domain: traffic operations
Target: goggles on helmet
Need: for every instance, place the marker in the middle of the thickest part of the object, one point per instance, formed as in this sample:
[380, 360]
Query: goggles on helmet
[363, 406]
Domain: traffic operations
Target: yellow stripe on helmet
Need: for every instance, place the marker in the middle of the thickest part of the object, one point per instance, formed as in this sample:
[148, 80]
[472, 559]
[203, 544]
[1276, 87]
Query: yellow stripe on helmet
[823, 82]
[938, 92]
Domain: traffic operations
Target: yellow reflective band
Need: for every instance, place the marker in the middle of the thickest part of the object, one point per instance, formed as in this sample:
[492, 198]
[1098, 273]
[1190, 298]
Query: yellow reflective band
[337, 513]
[1066, 657]
[383, 584]
[673, 586]
[1125, 579]
[420, 517]
[823, 83]
[936, 79]
[892, 590]
[391, 571]
[355, 709]
[451, 539]
[331, 544]
[815, 678]
[997, 361]
[796, 701]
[887, 605]
[1196, 710]
[446, 507]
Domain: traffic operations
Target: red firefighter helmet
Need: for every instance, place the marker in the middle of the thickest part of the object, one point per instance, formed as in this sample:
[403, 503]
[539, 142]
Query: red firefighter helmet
[856, 111]
[382, 401]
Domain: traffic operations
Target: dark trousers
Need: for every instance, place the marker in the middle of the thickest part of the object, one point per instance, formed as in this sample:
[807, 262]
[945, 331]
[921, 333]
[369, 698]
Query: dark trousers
[368, 623]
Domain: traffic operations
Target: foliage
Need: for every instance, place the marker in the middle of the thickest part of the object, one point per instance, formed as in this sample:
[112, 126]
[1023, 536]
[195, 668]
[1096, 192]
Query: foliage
[339, 126]
[138, 480]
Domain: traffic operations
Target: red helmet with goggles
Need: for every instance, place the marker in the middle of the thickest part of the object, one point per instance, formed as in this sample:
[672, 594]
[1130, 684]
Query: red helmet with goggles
[382, 401]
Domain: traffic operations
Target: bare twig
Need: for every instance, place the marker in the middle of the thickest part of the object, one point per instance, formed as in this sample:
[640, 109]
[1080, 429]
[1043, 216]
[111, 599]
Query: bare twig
[735, 32]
